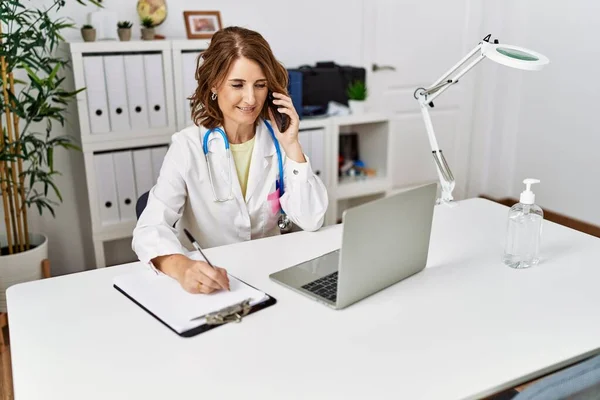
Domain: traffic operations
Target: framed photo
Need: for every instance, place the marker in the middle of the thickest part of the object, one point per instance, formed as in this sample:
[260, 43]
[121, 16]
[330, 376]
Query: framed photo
[201, 24]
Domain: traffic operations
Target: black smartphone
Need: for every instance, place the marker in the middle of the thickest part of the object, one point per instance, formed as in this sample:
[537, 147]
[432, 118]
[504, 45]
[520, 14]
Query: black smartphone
[282, 120]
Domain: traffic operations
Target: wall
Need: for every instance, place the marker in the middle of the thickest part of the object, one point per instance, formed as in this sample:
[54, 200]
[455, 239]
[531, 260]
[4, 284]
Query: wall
[298, 35]
[542, 124]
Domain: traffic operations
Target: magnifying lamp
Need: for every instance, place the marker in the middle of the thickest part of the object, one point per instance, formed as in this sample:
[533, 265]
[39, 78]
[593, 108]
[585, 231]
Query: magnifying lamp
[511, 56]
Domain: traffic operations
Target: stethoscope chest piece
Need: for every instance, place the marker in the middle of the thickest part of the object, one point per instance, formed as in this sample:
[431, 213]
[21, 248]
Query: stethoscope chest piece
[284, 223]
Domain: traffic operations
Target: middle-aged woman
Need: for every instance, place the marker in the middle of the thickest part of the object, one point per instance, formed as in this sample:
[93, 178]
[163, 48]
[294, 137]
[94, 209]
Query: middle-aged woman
[224, 196]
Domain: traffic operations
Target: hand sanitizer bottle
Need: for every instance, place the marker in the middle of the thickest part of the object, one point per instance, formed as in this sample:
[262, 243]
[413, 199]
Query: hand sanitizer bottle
[524, 230]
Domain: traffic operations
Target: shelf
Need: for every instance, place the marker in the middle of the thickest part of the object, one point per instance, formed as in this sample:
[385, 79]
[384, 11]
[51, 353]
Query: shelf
[192, 44]
[115, 141]
[116, 231]
[112, 46]
[356, 119]
[349, 187]
[313, 123]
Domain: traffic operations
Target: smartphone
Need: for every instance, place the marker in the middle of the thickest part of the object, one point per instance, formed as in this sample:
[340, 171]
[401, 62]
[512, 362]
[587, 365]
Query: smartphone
[282, 120]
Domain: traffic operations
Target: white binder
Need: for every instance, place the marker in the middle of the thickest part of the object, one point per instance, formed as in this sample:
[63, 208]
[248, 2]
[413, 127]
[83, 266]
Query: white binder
[158, 155]
[317, 153]
[142, 166]
[136, 91]
[114, 74]
[155, 89]
[93, 70]
[126, 193]
[106, 189]
[304, 139]
[188, 66]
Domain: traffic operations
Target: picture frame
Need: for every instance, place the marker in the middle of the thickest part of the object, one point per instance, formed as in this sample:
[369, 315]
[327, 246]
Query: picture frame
[202, 24]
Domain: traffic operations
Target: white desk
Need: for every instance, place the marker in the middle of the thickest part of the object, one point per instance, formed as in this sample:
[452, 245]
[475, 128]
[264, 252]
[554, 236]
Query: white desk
[465, 327]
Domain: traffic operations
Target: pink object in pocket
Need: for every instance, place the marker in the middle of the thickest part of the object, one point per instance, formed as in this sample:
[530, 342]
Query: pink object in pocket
[273, 199]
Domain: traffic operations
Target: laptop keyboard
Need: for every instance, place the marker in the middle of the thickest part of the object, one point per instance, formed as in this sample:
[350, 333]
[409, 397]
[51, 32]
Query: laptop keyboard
[325, 287]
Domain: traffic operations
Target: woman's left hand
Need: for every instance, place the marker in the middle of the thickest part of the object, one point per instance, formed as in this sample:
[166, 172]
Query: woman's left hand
[289, 138]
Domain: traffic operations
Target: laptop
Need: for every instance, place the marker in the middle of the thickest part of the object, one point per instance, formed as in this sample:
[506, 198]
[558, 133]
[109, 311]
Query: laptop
[383, 242]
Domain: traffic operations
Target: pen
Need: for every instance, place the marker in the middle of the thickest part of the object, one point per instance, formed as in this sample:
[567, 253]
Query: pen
[197, 247]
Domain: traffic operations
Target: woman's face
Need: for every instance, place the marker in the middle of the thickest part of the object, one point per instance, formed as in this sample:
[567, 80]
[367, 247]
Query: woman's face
[242, 94]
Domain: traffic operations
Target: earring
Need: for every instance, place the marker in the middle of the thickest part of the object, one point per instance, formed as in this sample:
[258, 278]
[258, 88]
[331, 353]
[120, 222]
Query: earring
[213, 96]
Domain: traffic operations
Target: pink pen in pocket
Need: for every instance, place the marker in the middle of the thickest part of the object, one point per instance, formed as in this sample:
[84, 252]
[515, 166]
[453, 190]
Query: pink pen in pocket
[273, 199]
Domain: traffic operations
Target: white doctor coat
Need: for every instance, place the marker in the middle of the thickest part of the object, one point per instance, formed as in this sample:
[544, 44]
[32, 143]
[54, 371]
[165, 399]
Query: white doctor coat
[183, 197]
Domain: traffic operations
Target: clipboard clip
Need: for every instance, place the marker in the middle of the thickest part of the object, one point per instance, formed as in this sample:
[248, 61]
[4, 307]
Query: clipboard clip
[233, 313]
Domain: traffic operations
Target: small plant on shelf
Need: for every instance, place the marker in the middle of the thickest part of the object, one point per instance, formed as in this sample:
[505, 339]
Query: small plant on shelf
[88, 33]
[357, 90]
[148, 28]
[357, 94]
[124, 24]
[147, 22]
[124, 30]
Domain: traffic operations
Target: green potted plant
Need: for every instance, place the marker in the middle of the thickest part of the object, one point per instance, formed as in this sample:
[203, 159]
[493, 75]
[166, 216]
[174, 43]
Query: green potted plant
[124, 30]
[88, 33]
[148, 28]
[30, 107]
[357, 94]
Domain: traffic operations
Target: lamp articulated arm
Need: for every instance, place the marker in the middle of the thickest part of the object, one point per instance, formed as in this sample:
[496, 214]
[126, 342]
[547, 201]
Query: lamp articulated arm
[508, 55]
[425, 96]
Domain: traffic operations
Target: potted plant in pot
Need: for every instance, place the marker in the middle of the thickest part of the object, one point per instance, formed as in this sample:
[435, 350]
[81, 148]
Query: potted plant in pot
[357, 94]
[148, 28]
[32, 100]
[88, 33]
[124, 30]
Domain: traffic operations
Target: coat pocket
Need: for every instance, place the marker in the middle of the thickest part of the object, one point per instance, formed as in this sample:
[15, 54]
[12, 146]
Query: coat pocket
[271, 210]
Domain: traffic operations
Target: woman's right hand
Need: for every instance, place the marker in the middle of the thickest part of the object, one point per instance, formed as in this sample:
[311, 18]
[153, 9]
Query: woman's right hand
[194, 276]
[199, 277]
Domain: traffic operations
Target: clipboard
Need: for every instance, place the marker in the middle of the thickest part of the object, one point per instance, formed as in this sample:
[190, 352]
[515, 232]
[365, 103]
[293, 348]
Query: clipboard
[129, 285]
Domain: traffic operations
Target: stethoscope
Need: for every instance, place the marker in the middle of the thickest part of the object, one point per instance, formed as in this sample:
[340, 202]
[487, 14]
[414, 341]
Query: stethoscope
[283, 221]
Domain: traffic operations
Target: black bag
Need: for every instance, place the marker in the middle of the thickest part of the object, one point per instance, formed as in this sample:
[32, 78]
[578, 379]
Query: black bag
[327, 82]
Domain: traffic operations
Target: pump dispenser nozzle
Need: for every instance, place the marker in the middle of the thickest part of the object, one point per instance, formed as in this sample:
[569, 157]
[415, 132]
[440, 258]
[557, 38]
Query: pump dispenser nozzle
[527, 196]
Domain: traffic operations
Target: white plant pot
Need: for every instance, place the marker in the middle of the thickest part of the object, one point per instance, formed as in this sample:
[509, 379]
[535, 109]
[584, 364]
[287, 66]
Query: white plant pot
[22, 267]
[357, 106]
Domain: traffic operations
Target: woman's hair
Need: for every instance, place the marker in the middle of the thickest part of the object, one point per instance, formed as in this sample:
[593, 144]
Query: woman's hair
[213, 65]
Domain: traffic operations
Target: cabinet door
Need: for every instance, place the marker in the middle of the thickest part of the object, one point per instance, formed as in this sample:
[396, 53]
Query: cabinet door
[317, 153]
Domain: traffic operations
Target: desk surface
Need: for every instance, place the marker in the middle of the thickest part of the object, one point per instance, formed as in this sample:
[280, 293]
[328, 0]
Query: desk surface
[465, 327]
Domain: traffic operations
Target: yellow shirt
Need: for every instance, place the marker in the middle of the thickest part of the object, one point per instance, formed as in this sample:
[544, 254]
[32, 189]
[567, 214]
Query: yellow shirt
[242, 154]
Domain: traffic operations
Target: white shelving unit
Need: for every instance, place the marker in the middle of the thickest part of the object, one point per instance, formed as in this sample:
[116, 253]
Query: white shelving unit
[129, 81]
[128, 106]
[373, 130]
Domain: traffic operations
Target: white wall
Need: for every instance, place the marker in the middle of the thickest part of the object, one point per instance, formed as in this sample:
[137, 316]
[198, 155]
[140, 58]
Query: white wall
[315, 31]
[298, 35]
[542, 124]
